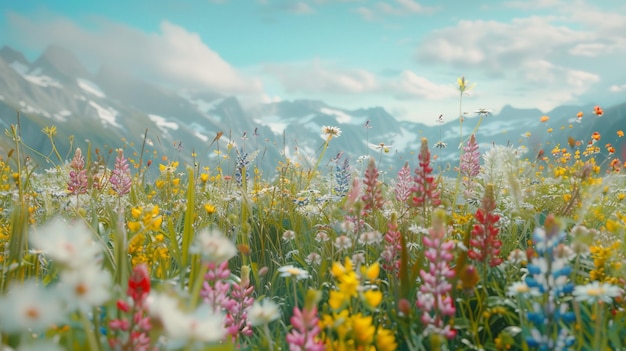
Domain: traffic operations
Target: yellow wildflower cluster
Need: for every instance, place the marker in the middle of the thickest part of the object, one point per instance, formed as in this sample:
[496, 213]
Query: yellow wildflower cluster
[346, 327]
[5, 176]
[168, 180]
[604, 263]
[4, 237]
[148, 244]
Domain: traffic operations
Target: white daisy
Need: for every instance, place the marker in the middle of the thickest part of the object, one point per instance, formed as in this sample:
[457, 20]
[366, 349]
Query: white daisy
[343, 242]
[313, 258]
[85, 288]
[291, 271]
[289, 235]
[595, 292]
[370, 238]
[329, 132]
[29, 306]
[70, 245]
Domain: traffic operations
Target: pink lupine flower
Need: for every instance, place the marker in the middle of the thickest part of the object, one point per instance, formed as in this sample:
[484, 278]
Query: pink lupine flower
[484, 243]
[424, 191]
[434, 297]
[303, 336]
[404, 183]
[78, 175]
[373, 196]
[120, 179]
[470, 163]
[391, 253]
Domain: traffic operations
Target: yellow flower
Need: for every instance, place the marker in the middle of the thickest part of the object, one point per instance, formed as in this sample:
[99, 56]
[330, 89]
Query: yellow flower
[372, 271]
[134, 226]
[204, 177]
[336, 299]
[385, 340]
[210, 209]
[136, 212]
[373, 297]
[363, 329]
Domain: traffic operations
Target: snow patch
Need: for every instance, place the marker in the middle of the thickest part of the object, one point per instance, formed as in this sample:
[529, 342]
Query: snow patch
[162, 123]
[90, 87]
[341, 116]
[277, 127]
[107, 115]
[34, 76]
[62, 115]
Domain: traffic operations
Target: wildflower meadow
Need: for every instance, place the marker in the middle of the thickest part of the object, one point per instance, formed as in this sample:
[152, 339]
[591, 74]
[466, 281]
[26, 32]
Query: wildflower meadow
[123, 249]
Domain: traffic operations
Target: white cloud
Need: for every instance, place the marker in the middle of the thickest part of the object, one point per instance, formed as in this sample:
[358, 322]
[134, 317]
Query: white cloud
[411, 86]
[365, 13]
[617, 88]
[172, 56]
[299, 8]
[316, 77]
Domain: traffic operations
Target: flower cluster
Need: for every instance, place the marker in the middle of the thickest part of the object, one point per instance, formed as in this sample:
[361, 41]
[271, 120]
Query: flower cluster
[434, 297]
[485, 244]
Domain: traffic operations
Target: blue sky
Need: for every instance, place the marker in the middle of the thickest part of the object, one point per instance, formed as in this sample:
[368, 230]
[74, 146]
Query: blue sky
[403, 55]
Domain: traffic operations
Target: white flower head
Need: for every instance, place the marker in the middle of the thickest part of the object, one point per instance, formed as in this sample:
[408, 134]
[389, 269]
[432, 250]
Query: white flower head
[342, 242]
[289, 235]
[313, 259]
[329, 132]
[264, 312]
[29, 306]
[291, 271]
[214, 246]
[86, 287]
[70, 245]
[201, 326]
[595, 292]
[370, 238]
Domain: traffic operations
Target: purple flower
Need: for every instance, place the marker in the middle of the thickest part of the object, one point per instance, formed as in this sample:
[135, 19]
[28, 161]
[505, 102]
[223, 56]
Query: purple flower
[78, 175]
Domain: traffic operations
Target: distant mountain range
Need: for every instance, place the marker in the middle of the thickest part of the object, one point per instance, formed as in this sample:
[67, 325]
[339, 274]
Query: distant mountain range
[113, 108]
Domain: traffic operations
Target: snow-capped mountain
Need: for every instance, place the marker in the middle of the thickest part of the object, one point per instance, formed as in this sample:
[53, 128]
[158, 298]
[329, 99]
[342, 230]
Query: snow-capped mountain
[111, 108]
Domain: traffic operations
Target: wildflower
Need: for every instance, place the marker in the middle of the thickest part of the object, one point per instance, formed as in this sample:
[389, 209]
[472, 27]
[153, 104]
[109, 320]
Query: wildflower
[518, 288]
[595, 136]
[78, 175]
[544, 119]
[403, 184]
[370, 238]
[517, 256]
[86, 287]
[342, 178]
[596, 292]
[70, 245]
[29, 307]
[470, 163]
[434, 294]
[264, 312]
[342, 242]
[483, 112]
[313, 258]
[329, 132]
[210, 209]
[199, 326]
[289, 235]
[380, 147]
[305, 330]
[597, 110]
[291, 271]
[214, 246]
[120, 178]
[321, 236]
[372, 196]
[485, 244]
[424, 190]
[620, 133]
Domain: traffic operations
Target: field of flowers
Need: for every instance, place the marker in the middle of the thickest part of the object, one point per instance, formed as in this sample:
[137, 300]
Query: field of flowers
[516, 252]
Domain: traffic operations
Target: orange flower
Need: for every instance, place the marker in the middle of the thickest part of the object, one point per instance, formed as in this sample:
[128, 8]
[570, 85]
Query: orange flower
[544, 119]
[571, 141]
[611, 150]
[579, 114]
[620, 133]
[597, 110]
[595, 136]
